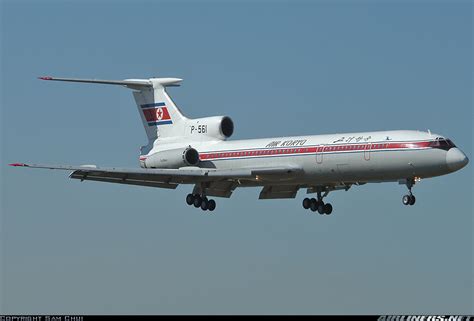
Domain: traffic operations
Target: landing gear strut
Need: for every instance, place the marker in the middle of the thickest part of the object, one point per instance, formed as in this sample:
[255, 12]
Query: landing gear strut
[201, 201]
[318, 204]
[409, 199]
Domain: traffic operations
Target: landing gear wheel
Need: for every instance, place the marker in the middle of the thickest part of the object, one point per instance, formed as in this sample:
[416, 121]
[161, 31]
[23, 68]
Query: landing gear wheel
[314, 205]
[190, 199]
[327, 209]
[406, 199]
[197, 201]
[412, 200]
[211, 205]
[204, 204]
[321, 207]
[409, 199]
[306, 203]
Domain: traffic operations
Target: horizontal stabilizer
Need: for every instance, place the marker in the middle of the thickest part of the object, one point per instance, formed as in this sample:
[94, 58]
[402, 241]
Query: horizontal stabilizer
[129, 83]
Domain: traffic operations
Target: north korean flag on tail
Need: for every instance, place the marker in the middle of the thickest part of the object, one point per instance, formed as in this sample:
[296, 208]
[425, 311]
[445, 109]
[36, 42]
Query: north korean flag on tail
[156, 114]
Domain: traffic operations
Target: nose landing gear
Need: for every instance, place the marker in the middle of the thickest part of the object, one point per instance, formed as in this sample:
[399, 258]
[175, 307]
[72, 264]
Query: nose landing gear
[409, 199]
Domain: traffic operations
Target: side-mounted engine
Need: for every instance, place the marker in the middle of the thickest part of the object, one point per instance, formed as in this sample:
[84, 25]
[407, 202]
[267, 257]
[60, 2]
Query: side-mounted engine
[172, 158]
[217, 127]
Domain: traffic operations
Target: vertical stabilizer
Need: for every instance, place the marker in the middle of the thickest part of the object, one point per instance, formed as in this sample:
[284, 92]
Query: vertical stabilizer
[160, 116]
[162, 120]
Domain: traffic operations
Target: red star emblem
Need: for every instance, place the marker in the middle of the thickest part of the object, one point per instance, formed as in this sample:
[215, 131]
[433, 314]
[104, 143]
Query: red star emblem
[159, 113]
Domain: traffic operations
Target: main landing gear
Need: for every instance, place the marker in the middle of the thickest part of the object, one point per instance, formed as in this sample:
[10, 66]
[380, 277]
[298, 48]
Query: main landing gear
[318, 204]
[409, 199]
[201, 201]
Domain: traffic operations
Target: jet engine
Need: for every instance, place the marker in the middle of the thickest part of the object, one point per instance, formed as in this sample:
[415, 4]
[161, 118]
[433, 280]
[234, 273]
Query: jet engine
[219, 127]
[173, 158]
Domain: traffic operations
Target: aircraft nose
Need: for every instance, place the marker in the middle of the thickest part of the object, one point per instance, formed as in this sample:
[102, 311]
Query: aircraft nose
[456, 159]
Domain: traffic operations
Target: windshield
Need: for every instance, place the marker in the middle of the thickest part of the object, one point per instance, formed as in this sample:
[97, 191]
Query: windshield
[442, 143]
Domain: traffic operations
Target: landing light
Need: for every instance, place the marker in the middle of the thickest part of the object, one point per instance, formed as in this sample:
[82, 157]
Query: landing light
[417, 179]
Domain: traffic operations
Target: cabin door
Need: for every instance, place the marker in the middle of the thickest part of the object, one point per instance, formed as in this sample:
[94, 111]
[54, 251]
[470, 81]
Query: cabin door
[367, 149]
[319, 154]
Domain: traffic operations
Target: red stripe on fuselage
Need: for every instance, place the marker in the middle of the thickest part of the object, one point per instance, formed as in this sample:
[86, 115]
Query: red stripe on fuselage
[312, 150]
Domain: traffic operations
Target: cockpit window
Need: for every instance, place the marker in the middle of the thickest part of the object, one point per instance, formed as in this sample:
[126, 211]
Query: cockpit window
[450, 143]
[442, 143]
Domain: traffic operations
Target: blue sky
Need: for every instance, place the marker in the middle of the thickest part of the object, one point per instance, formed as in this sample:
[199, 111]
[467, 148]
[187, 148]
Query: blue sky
[277, 68]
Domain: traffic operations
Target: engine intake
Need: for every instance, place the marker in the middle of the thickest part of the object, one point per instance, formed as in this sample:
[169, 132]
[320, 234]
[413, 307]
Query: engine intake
[191, 157]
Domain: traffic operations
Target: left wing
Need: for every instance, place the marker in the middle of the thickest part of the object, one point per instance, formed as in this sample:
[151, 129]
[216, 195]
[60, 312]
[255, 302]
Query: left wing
[170, 178]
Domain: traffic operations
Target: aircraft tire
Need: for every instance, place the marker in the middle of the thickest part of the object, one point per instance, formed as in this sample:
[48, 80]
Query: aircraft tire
[306, 203]
[211, 205]
[321, 208]
[327, 209]
[406, 199]
[197, 201]
[412, 200]
[204, 204]
[190, 199]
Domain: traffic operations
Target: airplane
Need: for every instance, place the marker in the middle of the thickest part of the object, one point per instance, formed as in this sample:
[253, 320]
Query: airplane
[182, 150]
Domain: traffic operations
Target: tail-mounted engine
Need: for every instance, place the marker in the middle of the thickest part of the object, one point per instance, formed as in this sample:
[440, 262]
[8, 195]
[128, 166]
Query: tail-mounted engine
[217, 127]
[173, 158]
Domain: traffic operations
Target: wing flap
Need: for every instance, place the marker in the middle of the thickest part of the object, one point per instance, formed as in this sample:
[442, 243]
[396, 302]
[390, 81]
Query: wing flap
[279, 191]
[222, 188]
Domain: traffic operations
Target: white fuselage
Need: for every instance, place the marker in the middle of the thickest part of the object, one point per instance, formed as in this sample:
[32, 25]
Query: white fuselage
[333, 159]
